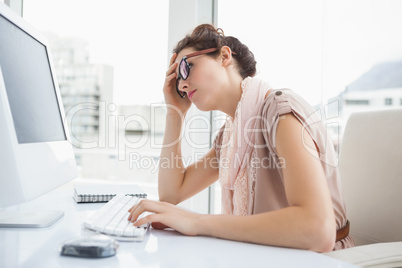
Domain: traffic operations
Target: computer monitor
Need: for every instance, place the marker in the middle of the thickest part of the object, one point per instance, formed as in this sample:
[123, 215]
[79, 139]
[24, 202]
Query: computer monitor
[36, 155]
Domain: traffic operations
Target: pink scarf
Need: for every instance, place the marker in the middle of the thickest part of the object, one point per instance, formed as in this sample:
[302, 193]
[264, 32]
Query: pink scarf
[238, 138]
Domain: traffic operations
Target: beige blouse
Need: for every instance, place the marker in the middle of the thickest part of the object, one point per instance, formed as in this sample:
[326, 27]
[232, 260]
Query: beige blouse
[265, 185]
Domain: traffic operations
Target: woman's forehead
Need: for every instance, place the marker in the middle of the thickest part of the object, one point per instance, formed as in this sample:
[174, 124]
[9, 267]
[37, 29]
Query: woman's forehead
[183, 52]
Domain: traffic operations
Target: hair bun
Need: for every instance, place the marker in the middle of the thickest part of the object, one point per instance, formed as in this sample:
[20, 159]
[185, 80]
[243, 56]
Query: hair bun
[207, 28]
[220, 32]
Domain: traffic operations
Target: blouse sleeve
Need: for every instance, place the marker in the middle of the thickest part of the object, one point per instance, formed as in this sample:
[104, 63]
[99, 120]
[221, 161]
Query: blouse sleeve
[284, 101]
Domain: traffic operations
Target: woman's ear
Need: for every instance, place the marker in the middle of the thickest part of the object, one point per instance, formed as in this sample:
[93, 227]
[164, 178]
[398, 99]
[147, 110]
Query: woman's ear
[226, 56]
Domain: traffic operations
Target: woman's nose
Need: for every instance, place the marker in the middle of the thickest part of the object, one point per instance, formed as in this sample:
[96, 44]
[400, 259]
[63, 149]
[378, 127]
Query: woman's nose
[183, 85]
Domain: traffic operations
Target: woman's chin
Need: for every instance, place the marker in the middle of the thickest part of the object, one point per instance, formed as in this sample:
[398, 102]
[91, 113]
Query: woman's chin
[203, 104]
[202, 107]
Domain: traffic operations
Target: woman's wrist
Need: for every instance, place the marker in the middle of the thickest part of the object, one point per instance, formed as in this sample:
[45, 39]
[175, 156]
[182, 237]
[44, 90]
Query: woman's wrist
[174, 114]
[202, 224]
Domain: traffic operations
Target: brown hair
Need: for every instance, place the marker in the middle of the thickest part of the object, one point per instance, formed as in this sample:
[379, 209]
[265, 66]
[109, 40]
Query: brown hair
[206, 36]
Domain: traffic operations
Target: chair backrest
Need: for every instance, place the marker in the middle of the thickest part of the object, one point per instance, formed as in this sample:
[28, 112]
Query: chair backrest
[370, 165]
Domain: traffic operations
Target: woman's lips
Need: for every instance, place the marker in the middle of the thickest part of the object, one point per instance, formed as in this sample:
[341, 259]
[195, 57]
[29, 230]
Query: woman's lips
[191, 93]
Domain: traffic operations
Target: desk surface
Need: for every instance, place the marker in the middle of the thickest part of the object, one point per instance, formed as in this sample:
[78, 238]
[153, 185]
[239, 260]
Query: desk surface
[39, 247]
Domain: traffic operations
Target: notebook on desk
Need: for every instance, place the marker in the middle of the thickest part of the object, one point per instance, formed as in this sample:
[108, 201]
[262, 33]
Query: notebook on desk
[90, 193]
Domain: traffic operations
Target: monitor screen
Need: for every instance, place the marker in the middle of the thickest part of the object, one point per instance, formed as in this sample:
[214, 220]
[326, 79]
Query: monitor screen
[30, 90]
[36, 155]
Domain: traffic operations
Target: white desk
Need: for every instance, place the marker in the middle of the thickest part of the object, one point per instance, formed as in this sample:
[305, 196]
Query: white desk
[39, 247]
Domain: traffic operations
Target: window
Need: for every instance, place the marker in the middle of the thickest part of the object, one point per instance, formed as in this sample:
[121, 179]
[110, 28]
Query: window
[388, 101]
[323, 50]
[102, 51]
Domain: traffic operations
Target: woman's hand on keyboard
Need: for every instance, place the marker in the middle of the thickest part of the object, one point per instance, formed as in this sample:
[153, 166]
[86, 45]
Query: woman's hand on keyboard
[165, 215]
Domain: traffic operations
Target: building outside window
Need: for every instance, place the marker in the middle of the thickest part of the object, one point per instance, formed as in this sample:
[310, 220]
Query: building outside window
[388, 101]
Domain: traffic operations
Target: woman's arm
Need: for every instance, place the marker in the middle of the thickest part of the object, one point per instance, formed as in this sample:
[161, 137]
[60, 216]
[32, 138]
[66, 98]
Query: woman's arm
[308, 222]
[175, 182]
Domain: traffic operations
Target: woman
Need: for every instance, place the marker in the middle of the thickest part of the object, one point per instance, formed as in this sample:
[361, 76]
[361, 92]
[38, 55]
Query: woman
[276, 167]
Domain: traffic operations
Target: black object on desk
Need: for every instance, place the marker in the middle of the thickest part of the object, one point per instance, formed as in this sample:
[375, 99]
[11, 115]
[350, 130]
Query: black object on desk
[95, 246]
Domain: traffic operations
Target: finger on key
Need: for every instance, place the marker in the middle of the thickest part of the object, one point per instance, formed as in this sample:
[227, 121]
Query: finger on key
[147, 219]
[136, 208]
[145, 205]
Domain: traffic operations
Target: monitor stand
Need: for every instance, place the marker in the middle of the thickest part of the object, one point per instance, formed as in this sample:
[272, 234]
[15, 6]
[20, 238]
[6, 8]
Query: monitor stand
[29, 218]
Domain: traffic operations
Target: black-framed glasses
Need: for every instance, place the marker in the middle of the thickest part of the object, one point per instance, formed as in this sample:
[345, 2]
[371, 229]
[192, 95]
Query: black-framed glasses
[184, 67]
